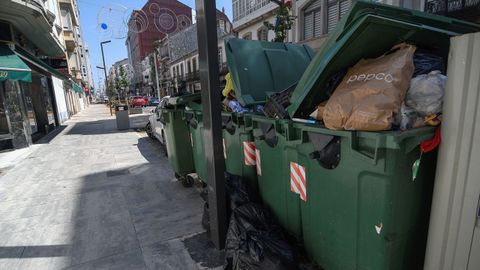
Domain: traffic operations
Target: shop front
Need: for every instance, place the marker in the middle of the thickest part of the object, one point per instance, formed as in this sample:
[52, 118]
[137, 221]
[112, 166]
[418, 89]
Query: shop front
[28, 102]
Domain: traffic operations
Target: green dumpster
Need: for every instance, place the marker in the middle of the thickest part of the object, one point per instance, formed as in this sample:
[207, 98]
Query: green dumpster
[274, 143]
[177, 135]
[258, 70]
[193, 117]
[363, 209]
[237, 130]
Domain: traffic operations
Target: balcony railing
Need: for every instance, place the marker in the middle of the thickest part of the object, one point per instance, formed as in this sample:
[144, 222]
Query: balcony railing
[448, 7]
[192, 76]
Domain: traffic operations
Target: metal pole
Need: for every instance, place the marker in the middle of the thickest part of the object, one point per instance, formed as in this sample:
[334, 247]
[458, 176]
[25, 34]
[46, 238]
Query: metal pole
[212, 136]
[105, 70]
[156, 71]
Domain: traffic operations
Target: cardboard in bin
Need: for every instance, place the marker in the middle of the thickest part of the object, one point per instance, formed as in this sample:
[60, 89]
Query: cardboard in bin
[368, 31]
[259, 69]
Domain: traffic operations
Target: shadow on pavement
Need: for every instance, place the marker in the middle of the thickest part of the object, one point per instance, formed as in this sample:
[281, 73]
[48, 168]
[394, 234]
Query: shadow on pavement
[98, 198]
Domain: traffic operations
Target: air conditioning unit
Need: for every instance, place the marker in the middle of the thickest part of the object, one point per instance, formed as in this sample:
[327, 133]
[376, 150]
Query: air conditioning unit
[6, 32]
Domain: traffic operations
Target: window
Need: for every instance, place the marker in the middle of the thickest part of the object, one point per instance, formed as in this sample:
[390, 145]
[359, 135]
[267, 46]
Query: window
[181, 68]
[194, 63]
[66, 19]
[247, 36]
[220, 55]
[189, 68]
[312, 20]
[262, 33]
[335, 11]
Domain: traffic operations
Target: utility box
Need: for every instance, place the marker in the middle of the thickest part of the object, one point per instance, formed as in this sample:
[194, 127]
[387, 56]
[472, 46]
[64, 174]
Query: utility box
[122, 117]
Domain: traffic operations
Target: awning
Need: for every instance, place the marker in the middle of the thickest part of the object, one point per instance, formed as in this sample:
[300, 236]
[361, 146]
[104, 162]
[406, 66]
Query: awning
[12, 67]
[77, 88]
[37, 63]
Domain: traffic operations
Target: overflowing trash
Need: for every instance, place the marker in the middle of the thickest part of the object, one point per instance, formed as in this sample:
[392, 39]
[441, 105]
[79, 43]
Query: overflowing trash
[230, 102]
[371, 92]
[277, 103]
[425, 94]
[254, 240]
[426, 62]
[401, 89]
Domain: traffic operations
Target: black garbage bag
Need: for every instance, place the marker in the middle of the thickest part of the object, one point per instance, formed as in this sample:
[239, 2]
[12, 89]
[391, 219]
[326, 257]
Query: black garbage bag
[236, 190]
[426, 62]
[255, 241]
[334, 81]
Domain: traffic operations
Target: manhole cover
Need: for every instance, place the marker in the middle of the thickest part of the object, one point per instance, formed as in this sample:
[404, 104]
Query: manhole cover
[118, 172]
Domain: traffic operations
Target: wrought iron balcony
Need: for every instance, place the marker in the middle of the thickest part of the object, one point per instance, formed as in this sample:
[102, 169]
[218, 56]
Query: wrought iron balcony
[192, 76]
[463, 9]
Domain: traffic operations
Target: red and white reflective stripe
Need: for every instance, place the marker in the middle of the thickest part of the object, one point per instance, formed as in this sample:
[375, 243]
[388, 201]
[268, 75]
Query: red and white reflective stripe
[224, 149]
[249, 153]
[259, 162]
[298, 180]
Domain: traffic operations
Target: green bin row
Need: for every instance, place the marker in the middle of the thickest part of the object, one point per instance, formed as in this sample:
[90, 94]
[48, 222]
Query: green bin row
[361, 209]
[358, 205]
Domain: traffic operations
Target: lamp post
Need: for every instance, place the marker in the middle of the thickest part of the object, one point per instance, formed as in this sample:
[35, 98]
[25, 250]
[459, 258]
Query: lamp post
[103, 58]
[105, 69]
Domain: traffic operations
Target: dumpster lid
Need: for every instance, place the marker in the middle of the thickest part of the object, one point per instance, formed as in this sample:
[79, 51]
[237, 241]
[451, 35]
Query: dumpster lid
[185, 99]
[259, 68]
[352, 41]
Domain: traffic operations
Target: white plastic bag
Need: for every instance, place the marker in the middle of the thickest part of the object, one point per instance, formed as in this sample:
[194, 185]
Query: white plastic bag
[425, 94]
[408, 118]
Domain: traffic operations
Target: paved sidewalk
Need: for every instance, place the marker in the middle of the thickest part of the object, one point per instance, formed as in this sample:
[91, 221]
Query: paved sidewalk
[94, 197]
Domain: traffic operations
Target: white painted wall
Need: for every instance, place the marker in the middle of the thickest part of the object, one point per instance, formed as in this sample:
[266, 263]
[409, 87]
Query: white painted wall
[59, 91]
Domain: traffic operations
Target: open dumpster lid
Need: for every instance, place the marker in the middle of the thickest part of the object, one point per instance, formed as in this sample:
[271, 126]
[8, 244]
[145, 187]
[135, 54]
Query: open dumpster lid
[184, 100]
[368, 31]
[259, 69]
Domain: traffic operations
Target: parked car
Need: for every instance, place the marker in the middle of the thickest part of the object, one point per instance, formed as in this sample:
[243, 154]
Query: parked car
[139, 101]
[153, 101]
[155, 126]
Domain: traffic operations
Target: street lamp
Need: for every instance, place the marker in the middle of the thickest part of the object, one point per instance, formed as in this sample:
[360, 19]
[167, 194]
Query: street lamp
[103, 58]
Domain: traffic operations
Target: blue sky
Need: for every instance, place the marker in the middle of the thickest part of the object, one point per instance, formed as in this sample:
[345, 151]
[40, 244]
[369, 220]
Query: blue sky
[91, 11]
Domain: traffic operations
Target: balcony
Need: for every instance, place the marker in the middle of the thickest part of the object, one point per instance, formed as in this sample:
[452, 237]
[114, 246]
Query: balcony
[192, 76]
[462, 9]
[32, 20]
[76, 75]
[70, 40]
[73, 10]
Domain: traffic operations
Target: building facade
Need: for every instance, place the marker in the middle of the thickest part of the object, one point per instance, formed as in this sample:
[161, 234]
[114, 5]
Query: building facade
[314, 19]
[178, 63]
[249, 17]
[34, 93]
[156, 20]
[115, 73]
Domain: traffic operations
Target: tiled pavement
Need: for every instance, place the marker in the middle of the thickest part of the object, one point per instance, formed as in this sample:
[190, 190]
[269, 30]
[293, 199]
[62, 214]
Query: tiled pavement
[97, 198]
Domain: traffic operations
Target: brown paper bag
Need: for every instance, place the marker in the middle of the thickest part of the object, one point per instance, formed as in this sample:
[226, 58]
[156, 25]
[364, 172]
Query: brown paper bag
[371, 92]
[318, 113]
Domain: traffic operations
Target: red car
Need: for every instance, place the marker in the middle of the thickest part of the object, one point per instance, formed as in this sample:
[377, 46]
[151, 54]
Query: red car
[139, 101]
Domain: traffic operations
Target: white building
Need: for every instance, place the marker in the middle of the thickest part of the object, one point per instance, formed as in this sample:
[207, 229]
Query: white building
[249, 17]
[315, 19]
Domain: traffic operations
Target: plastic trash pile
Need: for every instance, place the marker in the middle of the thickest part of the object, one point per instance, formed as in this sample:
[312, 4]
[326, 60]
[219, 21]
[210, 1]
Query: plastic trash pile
[401, 89]
[230, 102]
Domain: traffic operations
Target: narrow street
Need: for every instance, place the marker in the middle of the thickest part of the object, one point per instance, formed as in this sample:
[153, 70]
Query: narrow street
[93, 197]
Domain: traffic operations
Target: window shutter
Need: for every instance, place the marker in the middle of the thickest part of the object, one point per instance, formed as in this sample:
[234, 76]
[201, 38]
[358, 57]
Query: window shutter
[317, 21]
[332, 17]
[314, 5]
[344, 7]
[308, 26]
